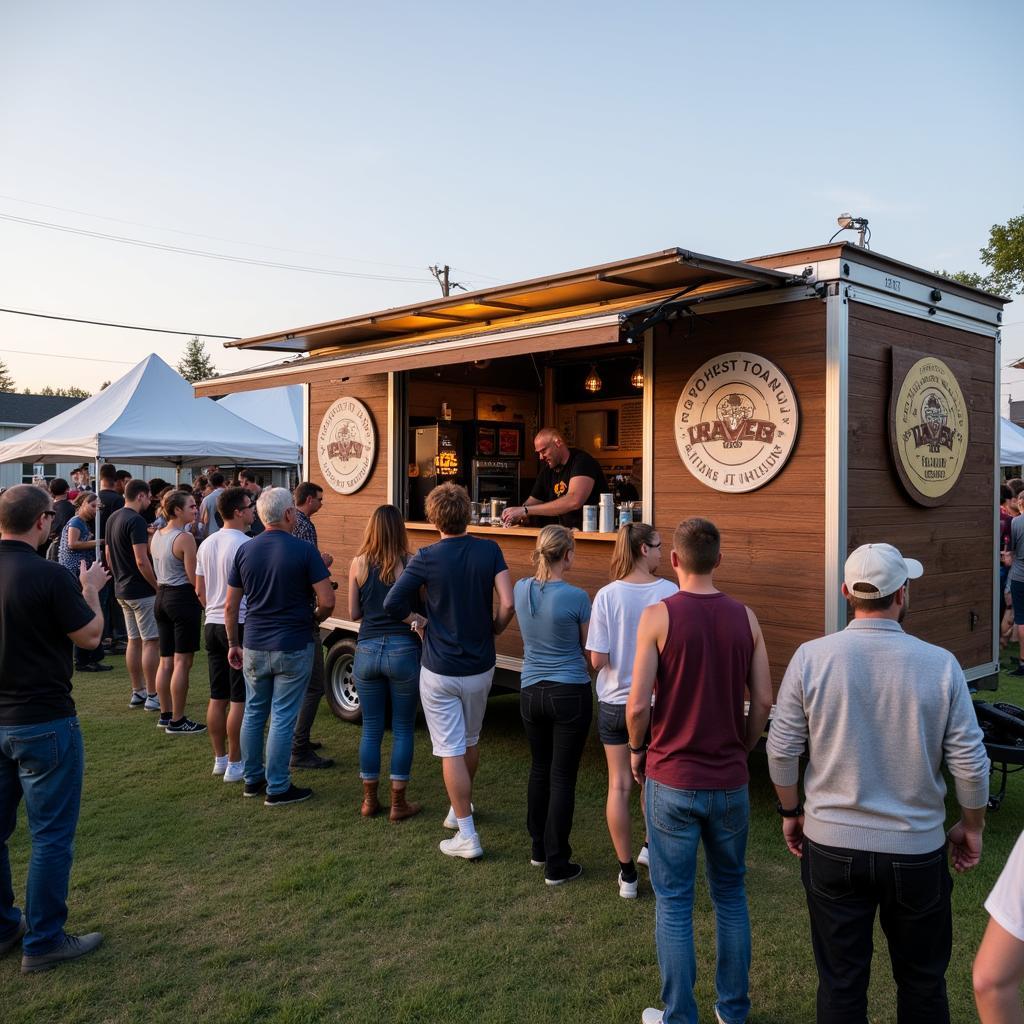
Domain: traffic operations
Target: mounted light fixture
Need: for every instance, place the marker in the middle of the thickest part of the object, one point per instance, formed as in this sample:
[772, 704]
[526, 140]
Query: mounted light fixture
[637, 378]
[847, 222]
[593, 383]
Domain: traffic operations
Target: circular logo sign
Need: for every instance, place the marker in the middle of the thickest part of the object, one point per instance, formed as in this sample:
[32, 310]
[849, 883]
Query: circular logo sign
[346, 445]
[736, 422]
[930, 430]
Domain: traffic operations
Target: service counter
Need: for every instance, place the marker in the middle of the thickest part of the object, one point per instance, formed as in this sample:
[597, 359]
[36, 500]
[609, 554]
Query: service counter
[513, 533]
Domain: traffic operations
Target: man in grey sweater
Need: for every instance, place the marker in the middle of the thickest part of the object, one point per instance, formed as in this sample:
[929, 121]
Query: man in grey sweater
[878, 712]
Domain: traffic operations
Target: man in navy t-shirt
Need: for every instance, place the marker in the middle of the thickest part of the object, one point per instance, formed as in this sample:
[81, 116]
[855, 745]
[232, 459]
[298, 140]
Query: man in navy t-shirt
[278, 574]
[460, 575]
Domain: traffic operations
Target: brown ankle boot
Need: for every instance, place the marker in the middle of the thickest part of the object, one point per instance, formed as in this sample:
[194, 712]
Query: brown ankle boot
[371, 805]
[400, 807]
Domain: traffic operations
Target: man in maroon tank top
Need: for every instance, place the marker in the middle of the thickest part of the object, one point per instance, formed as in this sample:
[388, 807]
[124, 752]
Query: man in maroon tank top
[698, 653]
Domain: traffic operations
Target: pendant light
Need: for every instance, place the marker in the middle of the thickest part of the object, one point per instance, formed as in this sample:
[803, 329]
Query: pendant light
[593, 382]
[637, 379]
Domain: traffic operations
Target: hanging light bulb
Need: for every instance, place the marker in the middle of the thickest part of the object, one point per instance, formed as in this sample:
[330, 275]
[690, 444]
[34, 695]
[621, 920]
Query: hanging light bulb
[593, 382]
[637, 380]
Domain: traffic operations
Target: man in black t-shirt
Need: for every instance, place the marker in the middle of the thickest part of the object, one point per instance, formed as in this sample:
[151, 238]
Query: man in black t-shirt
[569, 478]
[127, 554]
[42, 612]
[111, 495]
[63, 511]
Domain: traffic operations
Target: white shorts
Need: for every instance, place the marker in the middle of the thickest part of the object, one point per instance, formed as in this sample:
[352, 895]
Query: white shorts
[454, 708]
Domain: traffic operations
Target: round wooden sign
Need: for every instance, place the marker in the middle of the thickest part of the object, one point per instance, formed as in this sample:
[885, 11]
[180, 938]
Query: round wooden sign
[736, 422]
[346, 445]
[929, 427]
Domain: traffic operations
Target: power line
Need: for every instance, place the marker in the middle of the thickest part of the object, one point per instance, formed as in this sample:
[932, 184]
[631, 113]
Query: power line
[61, 355]
[127, 327]
[223, 257]
[216, 238]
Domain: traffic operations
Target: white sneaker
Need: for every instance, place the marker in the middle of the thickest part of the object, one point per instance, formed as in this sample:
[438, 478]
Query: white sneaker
[152, 703]
[628, 890]
[451, 821]
[466, 847]
[220, 765]
[651, 1016]
[718, 1016]
[644, 856]
[234, 772]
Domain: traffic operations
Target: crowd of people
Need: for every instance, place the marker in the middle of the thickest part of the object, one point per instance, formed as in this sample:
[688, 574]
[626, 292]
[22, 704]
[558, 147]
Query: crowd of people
[684, 694]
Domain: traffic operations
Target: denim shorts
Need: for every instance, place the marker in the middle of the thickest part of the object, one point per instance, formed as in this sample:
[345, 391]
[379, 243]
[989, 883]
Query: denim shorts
[611, 724]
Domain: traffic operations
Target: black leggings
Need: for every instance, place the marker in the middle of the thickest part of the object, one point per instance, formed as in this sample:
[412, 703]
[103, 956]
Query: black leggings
[556, 718]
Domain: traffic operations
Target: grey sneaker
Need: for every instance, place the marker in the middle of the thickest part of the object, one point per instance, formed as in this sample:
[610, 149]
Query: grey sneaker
[71, 948]
[138, 699]
[152, 702]
[8, 944]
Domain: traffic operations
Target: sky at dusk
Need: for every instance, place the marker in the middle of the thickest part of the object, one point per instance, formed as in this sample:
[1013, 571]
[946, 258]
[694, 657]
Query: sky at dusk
[364, 142]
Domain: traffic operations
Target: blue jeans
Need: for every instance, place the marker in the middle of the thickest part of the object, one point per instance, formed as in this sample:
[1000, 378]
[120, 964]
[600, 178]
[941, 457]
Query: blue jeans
[677, 819]
[45, 763]
[387, 664]
[275, 683]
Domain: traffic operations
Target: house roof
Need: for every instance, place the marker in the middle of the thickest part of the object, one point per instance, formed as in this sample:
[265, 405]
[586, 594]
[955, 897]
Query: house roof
[28, 410]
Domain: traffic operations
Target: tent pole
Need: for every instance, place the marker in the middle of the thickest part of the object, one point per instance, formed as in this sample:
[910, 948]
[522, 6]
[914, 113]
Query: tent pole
[177, 475]
[99, 510]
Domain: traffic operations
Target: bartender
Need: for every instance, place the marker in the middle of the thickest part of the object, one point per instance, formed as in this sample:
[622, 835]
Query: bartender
[569, 478]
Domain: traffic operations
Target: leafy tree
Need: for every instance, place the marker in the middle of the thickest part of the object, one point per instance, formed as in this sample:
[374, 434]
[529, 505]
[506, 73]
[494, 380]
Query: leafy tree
[68, 392]
[196, 363]
[6, 380]
[105, 385]
[1004, 256]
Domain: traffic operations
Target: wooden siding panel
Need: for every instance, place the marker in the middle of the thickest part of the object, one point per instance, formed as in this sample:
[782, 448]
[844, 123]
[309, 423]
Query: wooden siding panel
[342, 520]
[773, 539]
[951, 605]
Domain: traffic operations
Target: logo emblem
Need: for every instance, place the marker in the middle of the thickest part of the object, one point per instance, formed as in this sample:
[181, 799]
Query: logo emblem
[346, 445]
[928, 426]
[736, 422]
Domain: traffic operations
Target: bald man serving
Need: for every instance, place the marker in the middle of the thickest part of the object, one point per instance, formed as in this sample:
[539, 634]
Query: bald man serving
[569, 478]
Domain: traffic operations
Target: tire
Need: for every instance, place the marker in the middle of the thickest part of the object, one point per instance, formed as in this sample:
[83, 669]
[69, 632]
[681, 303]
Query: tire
[339, 685]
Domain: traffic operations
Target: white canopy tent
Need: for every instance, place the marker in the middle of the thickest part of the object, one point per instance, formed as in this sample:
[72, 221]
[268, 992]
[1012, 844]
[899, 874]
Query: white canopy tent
[1011, 443]
[276, 409]
[151, 416]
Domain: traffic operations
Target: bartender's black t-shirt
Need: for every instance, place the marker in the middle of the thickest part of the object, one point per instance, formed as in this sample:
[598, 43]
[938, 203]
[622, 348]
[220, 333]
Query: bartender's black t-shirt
[40, 603]
[554, 483]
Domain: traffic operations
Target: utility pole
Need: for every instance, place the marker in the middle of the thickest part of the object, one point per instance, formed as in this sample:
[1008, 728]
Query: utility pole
[441, 276]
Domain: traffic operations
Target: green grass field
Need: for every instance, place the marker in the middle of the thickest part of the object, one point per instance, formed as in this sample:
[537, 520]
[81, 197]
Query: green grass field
[219, 909]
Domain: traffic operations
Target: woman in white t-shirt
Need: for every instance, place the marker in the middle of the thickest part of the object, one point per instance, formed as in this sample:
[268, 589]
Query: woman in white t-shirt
[999, 965]
[612, 644]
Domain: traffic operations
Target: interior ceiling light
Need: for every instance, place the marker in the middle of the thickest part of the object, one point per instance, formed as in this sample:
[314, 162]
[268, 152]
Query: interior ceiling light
[637, 379]
[593, 382]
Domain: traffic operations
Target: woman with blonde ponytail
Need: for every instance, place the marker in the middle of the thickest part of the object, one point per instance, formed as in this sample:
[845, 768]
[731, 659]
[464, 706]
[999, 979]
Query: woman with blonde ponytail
[612, 644]
[555, 699]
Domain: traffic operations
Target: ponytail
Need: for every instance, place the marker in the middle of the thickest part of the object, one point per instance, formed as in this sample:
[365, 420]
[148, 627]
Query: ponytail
[629, 548]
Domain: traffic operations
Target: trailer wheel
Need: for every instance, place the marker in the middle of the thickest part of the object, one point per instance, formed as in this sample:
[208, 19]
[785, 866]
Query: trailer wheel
[340, 688]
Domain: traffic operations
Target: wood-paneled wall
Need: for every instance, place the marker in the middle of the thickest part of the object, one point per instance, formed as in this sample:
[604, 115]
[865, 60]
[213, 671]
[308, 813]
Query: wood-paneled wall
[954, 541]
[773, 539]
[342, 520]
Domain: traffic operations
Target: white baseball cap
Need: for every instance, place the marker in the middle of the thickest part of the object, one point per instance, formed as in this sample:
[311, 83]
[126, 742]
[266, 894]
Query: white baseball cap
[874, 571]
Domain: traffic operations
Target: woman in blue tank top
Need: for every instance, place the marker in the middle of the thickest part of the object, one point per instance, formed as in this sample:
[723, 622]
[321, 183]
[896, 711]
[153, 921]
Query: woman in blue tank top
[387, 660]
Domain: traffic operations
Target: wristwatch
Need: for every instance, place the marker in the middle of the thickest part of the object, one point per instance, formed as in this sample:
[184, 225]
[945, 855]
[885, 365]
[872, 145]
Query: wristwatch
[794, 812]
[637, 750]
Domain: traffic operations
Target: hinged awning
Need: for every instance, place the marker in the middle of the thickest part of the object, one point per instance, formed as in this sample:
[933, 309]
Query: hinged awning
[488, 308]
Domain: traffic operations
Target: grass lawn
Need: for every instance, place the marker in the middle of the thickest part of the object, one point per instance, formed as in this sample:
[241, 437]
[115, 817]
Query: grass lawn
[219, 909]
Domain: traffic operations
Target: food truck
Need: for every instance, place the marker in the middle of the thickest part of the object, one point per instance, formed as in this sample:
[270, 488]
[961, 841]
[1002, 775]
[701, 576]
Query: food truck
[806, 402]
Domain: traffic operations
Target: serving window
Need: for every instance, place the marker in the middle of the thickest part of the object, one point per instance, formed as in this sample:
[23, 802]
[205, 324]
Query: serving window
[474, 424]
